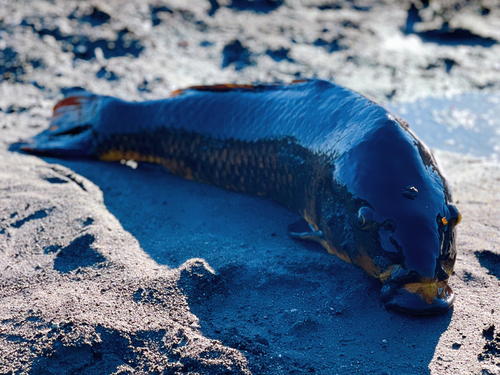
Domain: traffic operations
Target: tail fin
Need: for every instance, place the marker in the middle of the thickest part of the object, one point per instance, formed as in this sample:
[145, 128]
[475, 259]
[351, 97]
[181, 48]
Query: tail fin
[71, 130]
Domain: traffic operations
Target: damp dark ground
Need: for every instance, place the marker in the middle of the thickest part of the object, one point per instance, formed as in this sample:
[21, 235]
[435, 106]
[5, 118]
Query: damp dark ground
[109, 268]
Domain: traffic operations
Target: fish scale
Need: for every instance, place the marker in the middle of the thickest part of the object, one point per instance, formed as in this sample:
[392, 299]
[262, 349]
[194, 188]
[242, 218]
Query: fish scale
[250, 167]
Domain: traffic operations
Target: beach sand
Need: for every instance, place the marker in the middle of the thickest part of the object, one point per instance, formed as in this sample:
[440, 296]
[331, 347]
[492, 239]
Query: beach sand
[110, 269]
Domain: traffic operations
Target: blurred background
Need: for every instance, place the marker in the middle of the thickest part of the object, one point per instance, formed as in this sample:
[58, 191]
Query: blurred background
[392, 51]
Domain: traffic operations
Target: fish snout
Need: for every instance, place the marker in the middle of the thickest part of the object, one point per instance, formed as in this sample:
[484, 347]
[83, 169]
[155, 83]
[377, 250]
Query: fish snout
[426, 297]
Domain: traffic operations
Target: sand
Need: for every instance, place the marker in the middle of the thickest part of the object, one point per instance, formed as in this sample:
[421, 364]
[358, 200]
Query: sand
[109, 269]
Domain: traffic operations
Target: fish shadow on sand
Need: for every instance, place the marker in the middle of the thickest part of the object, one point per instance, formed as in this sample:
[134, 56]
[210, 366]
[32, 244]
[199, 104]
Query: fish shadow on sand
[287, 305]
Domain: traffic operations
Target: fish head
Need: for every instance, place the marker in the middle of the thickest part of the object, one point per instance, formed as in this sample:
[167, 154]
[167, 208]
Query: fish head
[402, 220]
[413, 253]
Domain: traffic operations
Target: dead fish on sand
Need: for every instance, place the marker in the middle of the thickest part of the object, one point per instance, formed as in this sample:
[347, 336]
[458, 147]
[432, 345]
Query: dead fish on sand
[367, 188]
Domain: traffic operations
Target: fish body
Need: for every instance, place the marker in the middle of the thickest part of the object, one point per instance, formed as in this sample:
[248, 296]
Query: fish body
[368, 189]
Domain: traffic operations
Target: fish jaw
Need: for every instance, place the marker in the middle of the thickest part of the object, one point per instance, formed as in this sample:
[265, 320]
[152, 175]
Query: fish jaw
[426, 297]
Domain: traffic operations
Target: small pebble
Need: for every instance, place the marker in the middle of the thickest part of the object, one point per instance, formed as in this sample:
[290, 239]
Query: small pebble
[456, 345]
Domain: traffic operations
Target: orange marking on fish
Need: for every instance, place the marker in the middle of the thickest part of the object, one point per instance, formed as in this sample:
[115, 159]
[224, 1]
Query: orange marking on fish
[387, 273]
[333, 250]
[365, 262]
[189, 174]
[177, 93]
[112, 155]
[428, 289]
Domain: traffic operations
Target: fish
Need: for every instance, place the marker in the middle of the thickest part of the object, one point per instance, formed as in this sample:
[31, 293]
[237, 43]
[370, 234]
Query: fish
[366, 188]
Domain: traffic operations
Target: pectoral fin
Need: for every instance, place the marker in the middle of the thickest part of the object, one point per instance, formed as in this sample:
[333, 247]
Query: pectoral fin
[302, 230]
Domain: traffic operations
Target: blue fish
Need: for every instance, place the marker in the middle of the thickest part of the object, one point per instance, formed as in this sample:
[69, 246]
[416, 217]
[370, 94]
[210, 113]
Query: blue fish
[367, 188]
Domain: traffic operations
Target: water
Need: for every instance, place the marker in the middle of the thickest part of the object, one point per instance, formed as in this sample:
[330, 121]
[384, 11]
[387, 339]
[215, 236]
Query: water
[468, 123]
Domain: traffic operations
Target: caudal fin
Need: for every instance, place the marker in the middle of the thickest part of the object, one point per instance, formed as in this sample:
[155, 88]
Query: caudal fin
[71, 130]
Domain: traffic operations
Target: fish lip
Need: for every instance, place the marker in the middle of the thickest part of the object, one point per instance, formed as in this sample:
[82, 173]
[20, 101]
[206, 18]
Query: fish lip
[400, 298]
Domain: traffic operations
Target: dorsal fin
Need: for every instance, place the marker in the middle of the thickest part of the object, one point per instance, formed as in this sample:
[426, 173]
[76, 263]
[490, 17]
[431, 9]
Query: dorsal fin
[219, 87]
[233, 86]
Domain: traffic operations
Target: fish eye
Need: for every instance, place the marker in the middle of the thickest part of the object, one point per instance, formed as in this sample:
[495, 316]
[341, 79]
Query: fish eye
[389, 225]
[452, 217]
[365, 218]
[455, 216]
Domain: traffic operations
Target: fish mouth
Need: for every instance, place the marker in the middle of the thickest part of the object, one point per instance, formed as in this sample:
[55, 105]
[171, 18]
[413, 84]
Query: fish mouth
[426, 297]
